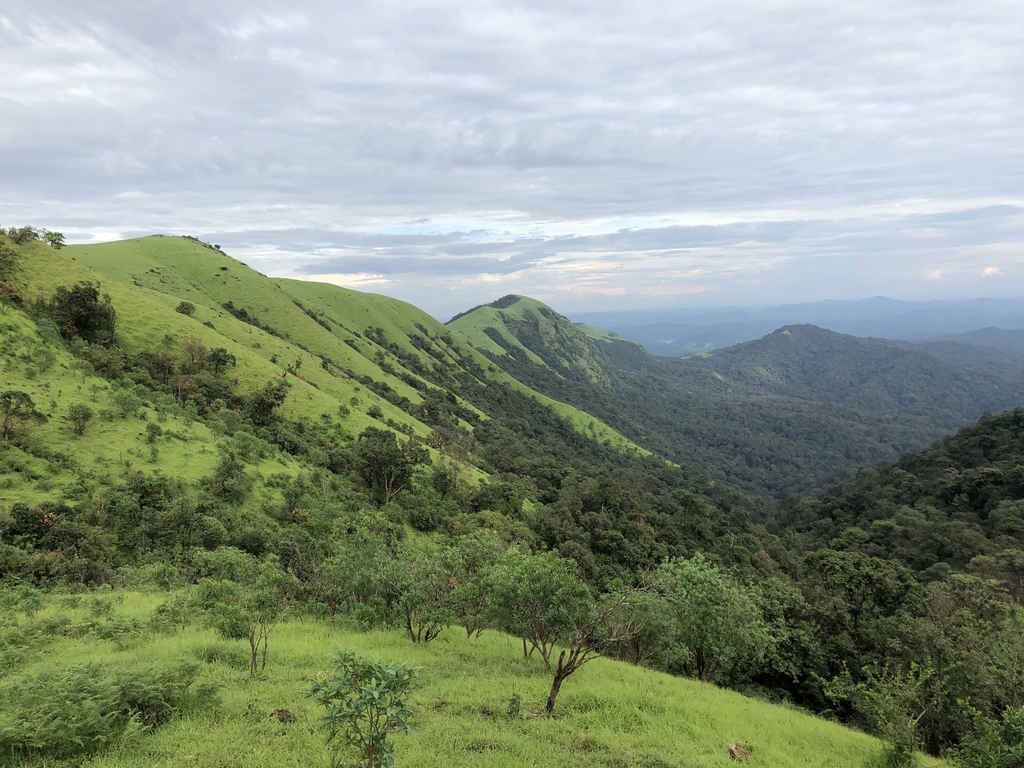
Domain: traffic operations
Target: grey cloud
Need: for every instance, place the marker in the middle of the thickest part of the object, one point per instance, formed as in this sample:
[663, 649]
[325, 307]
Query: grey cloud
[825, 133]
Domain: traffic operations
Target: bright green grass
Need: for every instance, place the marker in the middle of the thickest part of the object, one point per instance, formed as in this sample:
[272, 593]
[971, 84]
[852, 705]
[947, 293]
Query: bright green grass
[179, 269]
[471, 327]
[598, 334]
[609, 714]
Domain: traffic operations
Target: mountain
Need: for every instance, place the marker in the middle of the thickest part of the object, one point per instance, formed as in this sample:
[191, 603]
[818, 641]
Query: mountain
[681, 331]
[198, 462]
[794, 410]
[993, 338]
[257, 390]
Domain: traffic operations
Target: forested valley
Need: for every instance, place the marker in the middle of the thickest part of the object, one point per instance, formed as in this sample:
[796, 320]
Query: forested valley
[238, 459]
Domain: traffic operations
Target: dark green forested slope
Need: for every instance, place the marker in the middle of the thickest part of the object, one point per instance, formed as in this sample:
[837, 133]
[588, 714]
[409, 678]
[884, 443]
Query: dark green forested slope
[957, 505]
[791, 412]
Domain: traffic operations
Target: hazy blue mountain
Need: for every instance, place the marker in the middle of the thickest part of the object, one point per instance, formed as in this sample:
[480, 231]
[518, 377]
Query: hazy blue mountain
[681, 331]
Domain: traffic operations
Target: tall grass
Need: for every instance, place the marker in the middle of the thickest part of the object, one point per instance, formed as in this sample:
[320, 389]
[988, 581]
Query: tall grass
[609, 714]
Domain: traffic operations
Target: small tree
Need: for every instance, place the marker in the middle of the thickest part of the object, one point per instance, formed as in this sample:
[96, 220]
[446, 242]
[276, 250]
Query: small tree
[79, 415]
[588, 641]
[424, 582]
[366, 701]
[539, 598]
[219, 359]
[55, 239]
[715, 623]
[186, 308]
[17, 408]
[892, 701]
[249, 612]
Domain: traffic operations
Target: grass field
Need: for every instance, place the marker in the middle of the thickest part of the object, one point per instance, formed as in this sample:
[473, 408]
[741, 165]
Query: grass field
[609, 714]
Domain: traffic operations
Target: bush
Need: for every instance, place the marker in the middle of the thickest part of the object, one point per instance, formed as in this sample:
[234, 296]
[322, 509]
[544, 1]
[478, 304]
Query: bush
[186, 308]
[73, 711]
[366, 700]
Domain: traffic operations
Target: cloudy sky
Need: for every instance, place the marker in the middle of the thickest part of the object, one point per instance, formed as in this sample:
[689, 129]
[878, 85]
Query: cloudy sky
[594, 155]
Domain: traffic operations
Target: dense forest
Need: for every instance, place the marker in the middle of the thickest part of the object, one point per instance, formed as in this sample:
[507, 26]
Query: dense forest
[793, 412]
[256, 452]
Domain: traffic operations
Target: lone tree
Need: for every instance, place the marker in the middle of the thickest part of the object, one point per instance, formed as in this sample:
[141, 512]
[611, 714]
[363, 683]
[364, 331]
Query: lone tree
[539, 598]
[79, 415]
[386, 465]
[219, 359]
[366, 701]
[17, 408]
[186, 308]
[55, 239]
[78, 311]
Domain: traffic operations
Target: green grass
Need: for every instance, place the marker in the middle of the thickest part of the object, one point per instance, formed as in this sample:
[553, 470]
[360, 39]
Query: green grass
[176, 269]
[609, 714]
[598, 334]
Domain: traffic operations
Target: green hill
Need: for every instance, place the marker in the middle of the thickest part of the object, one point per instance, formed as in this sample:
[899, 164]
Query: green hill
[265, 451]
[794, 411]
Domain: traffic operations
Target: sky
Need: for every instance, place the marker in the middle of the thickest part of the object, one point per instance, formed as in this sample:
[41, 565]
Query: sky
[594, 155]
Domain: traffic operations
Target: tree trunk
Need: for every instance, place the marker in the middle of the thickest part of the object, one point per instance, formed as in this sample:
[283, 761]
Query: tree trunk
[556, 686]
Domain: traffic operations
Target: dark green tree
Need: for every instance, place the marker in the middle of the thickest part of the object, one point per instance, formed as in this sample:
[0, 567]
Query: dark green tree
[218, 359]
[386, 465]
[79, 415]
[79, 312]
[16, 409]
[54, 239]
[263, 404]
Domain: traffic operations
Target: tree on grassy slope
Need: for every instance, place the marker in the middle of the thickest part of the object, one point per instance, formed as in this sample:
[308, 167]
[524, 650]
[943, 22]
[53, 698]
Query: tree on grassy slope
[539, 598]
[366, 701]
[715, 623]
[17, 409]
[385, 465]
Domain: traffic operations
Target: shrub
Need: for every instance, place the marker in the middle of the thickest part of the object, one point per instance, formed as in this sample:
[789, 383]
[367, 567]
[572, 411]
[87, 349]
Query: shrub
[186, 308]
[366, 701]
[73, 711]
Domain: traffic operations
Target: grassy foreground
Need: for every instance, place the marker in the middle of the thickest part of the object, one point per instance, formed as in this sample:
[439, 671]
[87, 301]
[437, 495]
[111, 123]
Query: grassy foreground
[609, 714]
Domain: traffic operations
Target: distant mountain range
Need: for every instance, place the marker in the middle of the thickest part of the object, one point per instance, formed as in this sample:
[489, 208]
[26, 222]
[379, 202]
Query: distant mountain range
[797, 409]
[680, 331]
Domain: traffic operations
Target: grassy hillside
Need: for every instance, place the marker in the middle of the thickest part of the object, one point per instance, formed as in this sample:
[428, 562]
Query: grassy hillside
[791, 412]
[609, 714]
[520, 327]
[315, 322]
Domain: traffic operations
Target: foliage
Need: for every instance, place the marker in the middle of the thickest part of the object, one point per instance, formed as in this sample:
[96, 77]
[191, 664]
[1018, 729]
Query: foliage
[249, 611]
[186, 308]
[73, 711]
[539, 598]
[79, 415]
[715, 625]
[892, 702]
[17, 409]
[386, 465]
[79, 313]
[54, 239]
[366, 700]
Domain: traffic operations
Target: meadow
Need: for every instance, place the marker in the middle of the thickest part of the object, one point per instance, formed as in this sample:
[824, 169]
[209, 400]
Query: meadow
[609, 714]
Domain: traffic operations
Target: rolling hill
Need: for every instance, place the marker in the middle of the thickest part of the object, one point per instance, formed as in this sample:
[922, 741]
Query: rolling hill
[793, 411]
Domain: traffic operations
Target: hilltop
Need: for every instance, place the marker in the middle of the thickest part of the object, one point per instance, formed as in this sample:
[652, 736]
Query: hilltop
[790, 412]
